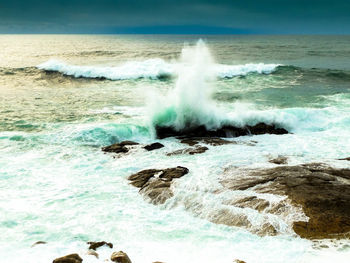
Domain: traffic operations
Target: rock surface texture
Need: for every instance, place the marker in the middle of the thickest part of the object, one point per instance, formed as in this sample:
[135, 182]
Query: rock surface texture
[71, 258]
[321, 191]
[155, 184]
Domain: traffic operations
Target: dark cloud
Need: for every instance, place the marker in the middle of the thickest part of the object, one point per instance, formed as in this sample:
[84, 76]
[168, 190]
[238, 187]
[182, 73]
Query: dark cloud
[175, 16]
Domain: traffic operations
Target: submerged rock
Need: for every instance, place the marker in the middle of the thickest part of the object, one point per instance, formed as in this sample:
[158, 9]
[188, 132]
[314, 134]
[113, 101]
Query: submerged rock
[120, 257]
[71, 258]
[214, 141]
[190, 151]
[321, 191]
[225, 131]
[155, 183]
[153, 146]
[279, 160]
[95, 245]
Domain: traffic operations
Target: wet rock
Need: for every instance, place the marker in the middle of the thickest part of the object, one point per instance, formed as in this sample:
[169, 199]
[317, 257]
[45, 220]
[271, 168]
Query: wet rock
[279, 160]
[252, 202]
[321, 191]
[225, 131]
[214, 141]
[190, 151]
[38, 243]
[345, 159]
[119, 147]
[120, 257]
[72, 258]
[155, 183]
[153, 146]
[95, 245]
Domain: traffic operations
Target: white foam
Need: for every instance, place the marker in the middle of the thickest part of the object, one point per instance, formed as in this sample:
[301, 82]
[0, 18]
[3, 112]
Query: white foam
[150, 68]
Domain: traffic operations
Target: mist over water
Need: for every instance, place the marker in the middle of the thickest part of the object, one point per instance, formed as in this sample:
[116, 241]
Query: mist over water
[63, 98]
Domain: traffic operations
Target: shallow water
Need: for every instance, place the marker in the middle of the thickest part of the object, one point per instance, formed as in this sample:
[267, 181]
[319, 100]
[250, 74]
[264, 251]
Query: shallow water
[57, 186]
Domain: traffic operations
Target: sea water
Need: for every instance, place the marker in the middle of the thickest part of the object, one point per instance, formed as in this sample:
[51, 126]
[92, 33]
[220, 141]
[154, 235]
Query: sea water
[62, 98]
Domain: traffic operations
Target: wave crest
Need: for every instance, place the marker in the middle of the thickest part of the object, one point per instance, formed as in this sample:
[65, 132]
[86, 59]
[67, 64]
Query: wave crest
[151, 69]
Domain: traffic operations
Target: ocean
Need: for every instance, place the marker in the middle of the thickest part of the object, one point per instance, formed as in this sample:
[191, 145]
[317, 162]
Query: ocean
[64, 97]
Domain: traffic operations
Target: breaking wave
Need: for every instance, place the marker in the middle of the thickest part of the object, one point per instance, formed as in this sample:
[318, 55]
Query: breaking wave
[151, 68]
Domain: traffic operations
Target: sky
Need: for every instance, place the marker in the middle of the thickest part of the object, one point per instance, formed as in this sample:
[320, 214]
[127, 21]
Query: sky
[176, 16]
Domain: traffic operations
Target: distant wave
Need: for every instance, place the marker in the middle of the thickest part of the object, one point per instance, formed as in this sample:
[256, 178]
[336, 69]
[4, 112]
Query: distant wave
[151, 68]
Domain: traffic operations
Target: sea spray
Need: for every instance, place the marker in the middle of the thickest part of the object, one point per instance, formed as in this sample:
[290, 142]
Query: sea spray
[189, 104]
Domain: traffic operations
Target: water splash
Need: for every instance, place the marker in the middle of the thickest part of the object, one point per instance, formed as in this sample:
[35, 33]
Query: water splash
[189, 104]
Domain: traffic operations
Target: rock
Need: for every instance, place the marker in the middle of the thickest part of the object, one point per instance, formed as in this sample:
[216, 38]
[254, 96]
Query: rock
[238, 261]
[279, 160]
[128, 143]
[155, 183]
[191, 151]
[72, 258]
[345, 159]
[39, 243]
[120, 257]
[119, 147]
[225, 131]
[92, 253]
[153, 146]
[95, 245]
[322, 192]
[214, 141]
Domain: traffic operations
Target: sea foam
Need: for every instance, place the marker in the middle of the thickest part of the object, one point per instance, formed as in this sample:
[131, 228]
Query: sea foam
[151, 68]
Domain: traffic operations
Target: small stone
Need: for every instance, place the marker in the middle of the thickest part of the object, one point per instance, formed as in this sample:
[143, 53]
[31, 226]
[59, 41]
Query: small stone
[71, 258]
[153, 146]
[95, 245]
[120, 257]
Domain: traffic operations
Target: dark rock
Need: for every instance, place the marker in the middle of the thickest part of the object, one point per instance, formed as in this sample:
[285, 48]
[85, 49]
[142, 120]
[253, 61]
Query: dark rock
[318, 189]
[214, 141]
[39, 243]
[238, 261]
[225, 131]
[128, 143]
[345, 159]
[153, 146]
[155, 183]
[119, 147]
[191, 151]
[279, 160]
[72, 258]
[120, 257]
[95, 245]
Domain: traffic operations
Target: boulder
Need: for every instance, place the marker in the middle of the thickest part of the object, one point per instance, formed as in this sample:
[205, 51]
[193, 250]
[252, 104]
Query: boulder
[71, 258]
[322, 192]
[190, 151]
[227, 131]
[120, 257]
[155, 183]
[153, 146]
[119, 147]
[95, 245]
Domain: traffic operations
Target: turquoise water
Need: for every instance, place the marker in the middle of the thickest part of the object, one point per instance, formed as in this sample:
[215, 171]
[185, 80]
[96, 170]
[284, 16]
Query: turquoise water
[57, 186]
